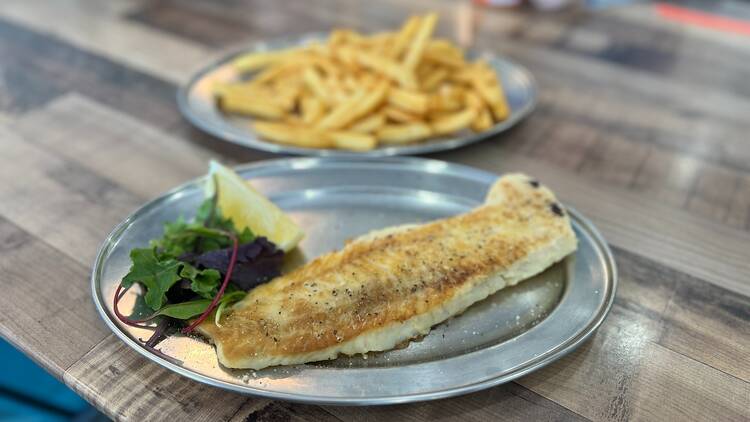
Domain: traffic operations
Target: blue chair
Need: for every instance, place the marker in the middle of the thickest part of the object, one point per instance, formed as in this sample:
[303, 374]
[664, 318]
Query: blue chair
[28, 393]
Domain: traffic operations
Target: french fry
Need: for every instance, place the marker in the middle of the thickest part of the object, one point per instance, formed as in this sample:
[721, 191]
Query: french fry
[410, 101]
[336, 91]
[419, 42]
[327, 66]
[396, 115]
[492, 94]
[314, 82]
[440, 57]
[445, 46]
[354, 141]
[341, 114]
[293, 135]
[448, 99]
[254, 61]
[403, 133]
[483, 121]
[423, 70]
[452, 123]
[353, 108]
[369, 124]
[473, 100]
[271, 73]
[240, 103]
[312, 109]
[404, 37]
[433, 79]
[387, 67]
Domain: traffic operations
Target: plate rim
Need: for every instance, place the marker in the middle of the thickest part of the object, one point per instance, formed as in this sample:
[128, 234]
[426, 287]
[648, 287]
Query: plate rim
[211, 127]
[558, 352]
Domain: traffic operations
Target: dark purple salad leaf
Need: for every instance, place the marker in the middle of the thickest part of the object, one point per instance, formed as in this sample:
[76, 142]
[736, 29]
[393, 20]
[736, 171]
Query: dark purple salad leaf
[257, 262]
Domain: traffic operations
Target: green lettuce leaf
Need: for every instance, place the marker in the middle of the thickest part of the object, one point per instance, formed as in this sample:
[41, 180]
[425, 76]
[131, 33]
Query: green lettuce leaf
[203, 282]
[156, 275]
[187, 310]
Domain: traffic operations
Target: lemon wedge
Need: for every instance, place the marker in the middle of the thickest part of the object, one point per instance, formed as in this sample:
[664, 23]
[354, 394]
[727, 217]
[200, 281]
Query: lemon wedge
[247, 207]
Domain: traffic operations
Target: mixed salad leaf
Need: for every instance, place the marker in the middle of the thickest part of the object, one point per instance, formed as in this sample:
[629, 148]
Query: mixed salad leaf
[196, 267]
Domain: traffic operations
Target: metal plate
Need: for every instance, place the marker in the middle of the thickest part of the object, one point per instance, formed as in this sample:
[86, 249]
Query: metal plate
[196, 102]
[517, 330]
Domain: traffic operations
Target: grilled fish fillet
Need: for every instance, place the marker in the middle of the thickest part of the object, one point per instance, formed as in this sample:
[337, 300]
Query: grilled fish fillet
[393, 285]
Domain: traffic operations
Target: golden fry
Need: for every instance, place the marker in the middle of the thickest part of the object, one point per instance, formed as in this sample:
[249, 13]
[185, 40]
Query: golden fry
[410, 101]
[454, 122]
[404, 37]
[254, 61]
[433, 79]
[447, 99]
[419, 42]
[341, 114]
[312, 109]
[353, 108]
[369, 124]
[493, 95]
[395, 114]
[439, 57]
[403, 133]
[314, 82]
[483, 121]
[352, 140]
[292, 135]
[272, 73]
[473, 100]
[387, 67]
[239, 102]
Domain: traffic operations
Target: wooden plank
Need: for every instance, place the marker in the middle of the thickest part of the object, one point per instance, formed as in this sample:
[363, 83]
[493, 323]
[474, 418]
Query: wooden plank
[667, 176]
[281, 411]
[567, 145]
[145, 161]
[671, 386]
[98, 29]
[695, 62]
[680, 131]
[57, 200]
[556, 68]
[46, 301]
[524, 137]
[122, 383]
[46, 67]
[509, 402]
[675, 238]
[712, 192]
[199, 24]
[709, 325]
[739, 211]
[248, 409]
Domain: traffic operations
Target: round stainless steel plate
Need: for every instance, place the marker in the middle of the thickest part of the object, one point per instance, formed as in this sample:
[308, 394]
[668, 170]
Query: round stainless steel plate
[515, 331]
[196, 102]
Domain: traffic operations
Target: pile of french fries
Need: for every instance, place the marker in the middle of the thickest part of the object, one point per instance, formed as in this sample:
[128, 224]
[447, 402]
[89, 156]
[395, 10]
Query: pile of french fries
[357, 92]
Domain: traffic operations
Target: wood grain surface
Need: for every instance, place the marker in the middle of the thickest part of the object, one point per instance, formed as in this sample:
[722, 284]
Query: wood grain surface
[642, 125]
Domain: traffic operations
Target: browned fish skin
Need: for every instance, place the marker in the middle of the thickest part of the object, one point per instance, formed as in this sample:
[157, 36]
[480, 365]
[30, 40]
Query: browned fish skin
[374, 283]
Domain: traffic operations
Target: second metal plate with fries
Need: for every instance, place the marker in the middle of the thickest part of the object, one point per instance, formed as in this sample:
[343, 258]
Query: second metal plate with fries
[197, 103]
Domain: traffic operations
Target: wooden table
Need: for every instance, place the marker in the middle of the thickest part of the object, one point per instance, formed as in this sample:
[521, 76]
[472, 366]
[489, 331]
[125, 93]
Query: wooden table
[642, 125]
